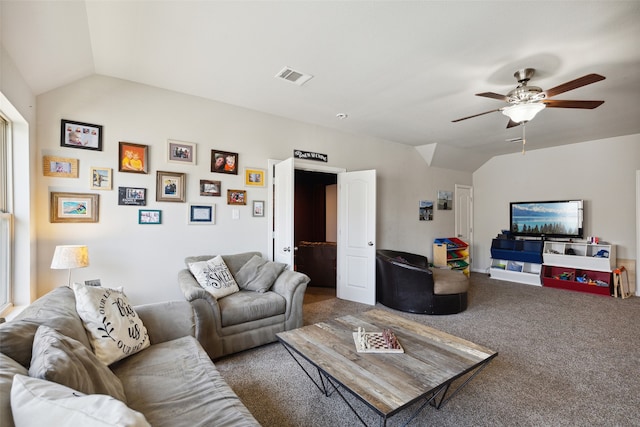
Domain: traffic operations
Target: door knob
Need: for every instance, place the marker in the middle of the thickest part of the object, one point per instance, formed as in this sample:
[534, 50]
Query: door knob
[287, 249]
[370, 243]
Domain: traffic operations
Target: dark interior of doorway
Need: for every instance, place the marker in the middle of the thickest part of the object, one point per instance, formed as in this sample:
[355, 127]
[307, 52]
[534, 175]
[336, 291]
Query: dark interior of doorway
[314, 239]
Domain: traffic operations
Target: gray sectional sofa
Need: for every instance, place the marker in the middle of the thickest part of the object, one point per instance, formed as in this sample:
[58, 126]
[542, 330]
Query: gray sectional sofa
[172, 383]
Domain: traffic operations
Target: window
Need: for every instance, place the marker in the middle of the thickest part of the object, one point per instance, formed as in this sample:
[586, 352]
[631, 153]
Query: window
[6, 218]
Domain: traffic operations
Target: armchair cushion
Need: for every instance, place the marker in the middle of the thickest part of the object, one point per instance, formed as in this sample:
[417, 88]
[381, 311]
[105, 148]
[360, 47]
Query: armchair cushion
[258, 274]
[447, 281]
[247, 306]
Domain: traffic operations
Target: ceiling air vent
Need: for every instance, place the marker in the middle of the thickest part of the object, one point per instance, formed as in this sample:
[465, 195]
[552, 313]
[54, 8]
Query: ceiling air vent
[293, 76]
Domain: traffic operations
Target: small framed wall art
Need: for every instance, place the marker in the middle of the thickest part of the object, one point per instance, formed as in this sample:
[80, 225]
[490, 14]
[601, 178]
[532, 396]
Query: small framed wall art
[258, 208]
[202, 214]
[101, 178]
[170, 186]
[133, 158]
[61, 167]
[236, 197]
[181, 152]
[224, 162]
[149, 216]
[74, 207]
[254, 177]
[80, 135]
[210, 188]
[132, 196]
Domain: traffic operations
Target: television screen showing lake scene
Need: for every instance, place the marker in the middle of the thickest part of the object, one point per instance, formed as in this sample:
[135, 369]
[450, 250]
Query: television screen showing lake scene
[547, 218]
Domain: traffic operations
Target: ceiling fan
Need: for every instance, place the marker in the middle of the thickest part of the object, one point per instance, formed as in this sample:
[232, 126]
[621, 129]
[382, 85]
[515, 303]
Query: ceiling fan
[527, 101]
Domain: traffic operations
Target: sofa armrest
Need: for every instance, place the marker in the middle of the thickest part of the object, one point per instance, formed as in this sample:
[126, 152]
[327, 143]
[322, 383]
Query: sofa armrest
[292, 286]
[167, 321]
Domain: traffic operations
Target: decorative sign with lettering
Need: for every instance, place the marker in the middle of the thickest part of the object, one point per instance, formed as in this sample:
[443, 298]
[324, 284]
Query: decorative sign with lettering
[308, 155]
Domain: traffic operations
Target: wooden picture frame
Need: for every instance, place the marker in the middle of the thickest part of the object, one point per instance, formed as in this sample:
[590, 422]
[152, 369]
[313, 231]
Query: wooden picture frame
[80, 135]
[236, 197]
[60, 167]
[132, 196]
[149, 216]
[254, 177]
[181, 152]
[258, 208]
[202, 214]
[101, 178]
[210, 188]
[224, 162]
[74, 207]
[170, 186]
[133, 158]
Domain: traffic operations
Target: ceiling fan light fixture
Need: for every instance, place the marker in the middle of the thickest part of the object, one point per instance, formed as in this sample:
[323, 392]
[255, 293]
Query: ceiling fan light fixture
[521, 113]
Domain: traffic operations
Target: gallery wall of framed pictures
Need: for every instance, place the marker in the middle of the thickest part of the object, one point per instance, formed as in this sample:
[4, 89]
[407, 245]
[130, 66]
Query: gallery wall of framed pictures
[172, 177]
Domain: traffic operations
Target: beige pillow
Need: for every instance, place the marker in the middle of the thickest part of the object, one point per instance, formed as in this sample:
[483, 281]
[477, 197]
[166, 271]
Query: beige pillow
[65, 361]
[115, 329]
[258, 274]
[214, 276]
[8, 368]
[37, 403]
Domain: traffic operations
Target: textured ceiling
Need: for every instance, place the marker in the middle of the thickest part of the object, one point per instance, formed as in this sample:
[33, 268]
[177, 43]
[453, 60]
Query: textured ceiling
[401, 70]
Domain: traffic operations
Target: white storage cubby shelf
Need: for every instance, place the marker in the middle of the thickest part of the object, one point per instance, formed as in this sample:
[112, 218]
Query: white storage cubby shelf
[516, 261]
[580, 255]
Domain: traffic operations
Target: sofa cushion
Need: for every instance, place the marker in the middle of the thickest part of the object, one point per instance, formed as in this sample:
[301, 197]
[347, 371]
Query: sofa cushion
[65, 361]
[178, 378]
[115, 329]
[8, 368]
[246, 306]
[258, 274]
[214, 276]
[447, 281]
[36, 403]
[234, 261]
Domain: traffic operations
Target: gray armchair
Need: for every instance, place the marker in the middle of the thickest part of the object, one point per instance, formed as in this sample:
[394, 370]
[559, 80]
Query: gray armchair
[244, 319]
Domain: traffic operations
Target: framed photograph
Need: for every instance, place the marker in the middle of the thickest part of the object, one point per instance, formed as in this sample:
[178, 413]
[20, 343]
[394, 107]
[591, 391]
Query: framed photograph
[80, 135]
[236, 197]
[445, 200]
[94, 282]
[74, 207]
[61, 167]
[170, 186]
[258, 208]
[132, 196]
[210, 188]
[181, 152]
[425, 210]
[149, 216]
[202, 214]
[254, 177]
[101, 178]
[224, 162]
[133, 158]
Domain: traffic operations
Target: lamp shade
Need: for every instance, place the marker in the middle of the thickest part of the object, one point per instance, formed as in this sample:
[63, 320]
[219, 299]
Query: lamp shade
[521, 113]
[70, 256]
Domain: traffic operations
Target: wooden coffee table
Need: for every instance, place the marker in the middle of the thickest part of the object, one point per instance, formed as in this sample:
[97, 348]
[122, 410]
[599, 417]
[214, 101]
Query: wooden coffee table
[386, 382]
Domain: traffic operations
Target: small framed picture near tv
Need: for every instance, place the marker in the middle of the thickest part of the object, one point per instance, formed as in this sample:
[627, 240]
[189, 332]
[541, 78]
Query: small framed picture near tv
[80, 135]
[557, 218]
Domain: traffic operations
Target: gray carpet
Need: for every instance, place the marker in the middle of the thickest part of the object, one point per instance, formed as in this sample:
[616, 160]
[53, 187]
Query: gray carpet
[565, 359]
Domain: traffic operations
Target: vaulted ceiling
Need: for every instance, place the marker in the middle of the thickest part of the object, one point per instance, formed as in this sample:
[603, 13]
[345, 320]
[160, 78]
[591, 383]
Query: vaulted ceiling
[399, 70]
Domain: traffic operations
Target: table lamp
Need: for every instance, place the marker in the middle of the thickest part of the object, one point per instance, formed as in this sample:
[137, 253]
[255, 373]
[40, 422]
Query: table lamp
[70, 256]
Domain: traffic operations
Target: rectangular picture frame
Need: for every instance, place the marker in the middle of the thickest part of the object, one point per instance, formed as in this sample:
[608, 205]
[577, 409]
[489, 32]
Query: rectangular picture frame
[224, 162]
[210, 188]
[101, 178]
[74, 134]
[258, 208]
[132, 196]
[181, 152]
[133, 158]
[74, 207]
[149, 216]
[170, 186]
[60, 167]
[202, 214]
[236, 197]
[254, 177]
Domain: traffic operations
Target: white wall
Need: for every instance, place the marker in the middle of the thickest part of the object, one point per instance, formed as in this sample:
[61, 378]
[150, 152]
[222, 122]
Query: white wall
[600, 172]
[145, 259]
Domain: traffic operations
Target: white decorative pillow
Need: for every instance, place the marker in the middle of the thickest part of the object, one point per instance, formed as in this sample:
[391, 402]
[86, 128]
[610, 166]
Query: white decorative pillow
[115, 330]
[214, 276]
[36, 403]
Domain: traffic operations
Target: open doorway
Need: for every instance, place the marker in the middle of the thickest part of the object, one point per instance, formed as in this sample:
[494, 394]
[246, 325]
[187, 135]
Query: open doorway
[315, 227]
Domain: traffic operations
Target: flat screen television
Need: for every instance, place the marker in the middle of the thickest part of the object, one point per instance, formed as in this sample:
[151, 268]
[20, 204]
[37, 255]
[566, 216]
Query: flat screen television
[559, 218]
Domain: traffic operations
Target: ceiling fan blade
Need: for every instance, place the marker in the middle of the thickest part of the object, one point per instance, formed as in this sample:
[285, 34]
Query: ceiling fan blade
[557, 103]
[574, 84]
[476, 115]
[512, 124]
[493, 95]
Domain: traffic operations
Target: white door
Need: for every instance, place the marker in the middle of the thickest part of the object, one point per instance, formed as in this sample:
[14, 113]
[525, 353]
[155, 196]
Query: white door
[463, 208]
[283, 213]
[356, 257]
